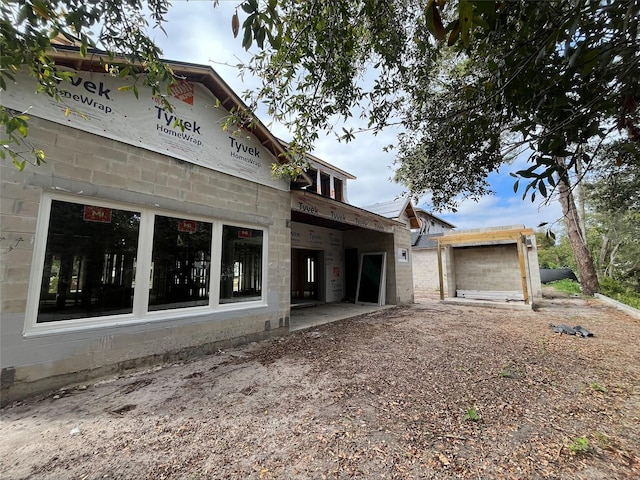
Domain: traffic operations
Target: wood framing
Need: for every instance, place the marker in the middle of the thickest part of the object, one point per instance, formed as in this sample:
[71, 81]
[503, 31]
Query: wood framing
[483, 237]
[488, 238]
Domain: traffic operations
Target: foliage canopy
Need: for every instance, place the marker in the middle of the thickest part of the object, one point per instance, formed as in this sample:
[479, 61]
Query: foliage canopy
[28, 27]
[471, 83]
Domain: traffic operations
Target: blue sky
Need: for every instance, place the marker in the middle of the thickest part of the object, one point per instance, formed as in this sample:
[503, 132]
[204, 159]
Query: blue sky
[198, 33]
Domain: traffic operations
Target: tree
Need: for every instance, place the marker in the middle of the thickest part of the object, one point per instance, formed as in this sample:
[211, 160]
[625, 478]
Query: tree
[613, 198]
[470, 81]
[554, 251]
[27, 28]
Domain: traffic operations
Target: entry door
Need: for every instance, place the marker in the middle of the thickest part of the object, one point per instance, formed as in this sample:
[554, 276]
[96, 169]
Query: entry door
[305, 281]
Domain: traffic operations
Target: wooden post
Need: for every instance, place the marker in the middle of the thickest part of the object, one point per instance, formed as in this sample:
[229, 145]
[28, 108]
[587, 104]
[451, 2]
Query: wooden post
[440, 275]
[523, 270]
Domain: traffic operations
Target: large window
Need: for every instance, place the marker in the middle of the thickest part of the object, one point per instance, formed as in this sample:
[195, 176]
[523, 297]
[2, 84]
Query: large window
[241, 266]
[89, 263]
[180, 263]
[127, 264]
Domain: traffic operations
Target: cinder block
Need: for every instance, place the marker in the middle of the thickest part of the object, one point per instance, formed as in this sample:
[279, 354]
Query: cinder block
[74, 172]
[168, 192]
[108, 179]
[130, 172]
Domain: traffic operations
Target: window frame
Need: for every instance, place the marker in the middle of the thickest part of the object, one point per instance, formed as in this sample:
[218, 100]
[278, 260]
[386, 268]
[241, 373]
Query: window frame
[140, 311]
[218, 266]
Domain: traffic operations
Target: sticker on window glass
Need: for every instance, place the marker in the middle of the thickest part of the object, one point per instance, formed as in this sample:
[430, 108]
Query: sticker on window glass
[96, 214]
[189, 226]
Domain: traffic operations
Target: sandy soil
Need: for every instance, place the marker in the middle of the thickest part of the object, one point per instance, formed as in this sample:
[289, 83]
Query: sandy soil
[423, 391]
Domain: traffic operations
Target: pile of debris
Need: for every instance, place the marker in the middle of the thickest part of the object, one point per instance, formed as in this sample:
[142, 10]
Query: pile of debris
[577, 330]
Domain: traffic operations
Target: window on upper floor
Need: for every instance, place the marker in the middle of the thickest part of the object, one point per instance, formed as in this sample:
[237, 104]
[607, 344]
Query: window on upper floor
[325, 185]
[338, 188]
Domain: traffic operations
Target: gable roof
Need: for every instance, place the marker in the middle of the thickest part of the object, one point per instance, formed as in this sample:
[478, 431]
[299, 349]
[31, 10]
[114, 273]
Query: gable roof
[424, 214]
[69, 56]
[394, 209]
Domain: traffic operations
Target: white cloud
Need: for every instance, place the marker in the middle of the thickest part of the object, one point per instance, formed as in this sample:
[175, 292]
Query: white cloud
[492, 211]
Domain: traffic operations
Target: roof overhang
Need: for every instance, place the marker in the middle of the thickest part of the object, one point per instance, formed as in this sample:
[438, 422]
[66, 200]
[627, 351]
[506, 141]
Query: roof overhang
[414, 221]
[319, 161]
[314, 209]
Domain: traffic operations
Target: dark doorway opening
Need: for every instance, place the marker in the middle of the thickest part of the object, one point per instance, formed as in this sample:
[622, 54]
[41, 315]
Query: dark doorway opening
[305, 279]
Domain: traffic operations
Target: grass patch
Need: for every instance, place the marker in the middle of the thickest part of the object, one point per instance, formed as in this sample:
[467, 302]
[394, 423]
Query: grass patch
[472, 415]
[510, 371]
[609, 287]
[603, 440]
[579, 445]
[597, 387]
[566, 285]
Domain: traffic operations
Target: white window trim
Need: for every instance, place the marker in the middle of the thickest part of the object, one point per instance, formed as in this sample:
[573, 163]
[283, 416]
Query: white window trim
[140, 313]
[265, 266]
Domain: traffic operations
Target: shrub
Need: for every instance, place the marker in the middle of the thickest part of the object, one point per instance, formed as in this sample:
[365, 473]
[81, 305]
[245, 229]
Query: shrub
[616, 290]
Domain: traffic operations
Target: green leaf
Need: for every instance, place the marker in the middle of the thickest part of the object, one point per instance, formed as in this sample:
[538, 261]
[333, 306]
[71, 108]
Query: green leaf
[542, 188]
[247, 38]
[259, 36]
[516, 186]
[24, 13]
[465, 9]
[454, 33]
[434, 22]
[250, 6]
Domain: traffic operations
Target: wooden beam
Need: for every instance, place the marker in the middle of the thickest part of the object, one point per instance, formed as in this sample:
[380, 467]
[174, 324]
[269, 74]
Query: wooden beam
[492, 295]
[484, 237]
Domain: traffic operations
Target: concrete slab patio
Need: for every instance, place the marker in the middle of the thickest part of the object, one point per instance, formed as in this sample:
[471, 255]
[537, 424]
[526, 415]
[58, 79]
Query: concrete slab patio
[303, 317]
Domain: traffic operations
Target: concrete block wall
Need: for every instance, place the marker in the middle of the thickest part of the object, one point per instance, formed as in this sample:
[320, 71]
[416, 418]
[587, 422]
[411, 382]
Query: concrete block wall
[399, 288]
[425, 270]
[404, 269]
[487, 268]
[83, 165]
[533, 268]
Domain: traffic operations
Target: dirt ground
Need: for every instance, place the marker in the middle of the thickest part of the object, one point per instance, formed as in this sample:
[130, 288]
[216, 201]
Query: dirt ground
[424, 391]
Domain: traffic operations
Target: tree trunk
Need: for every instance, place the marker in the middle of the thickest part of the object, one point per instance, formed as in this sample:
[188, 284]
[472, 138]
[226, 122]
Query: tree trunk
[612, 256]
[579, 189]
[586, 269]
[602, 259]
